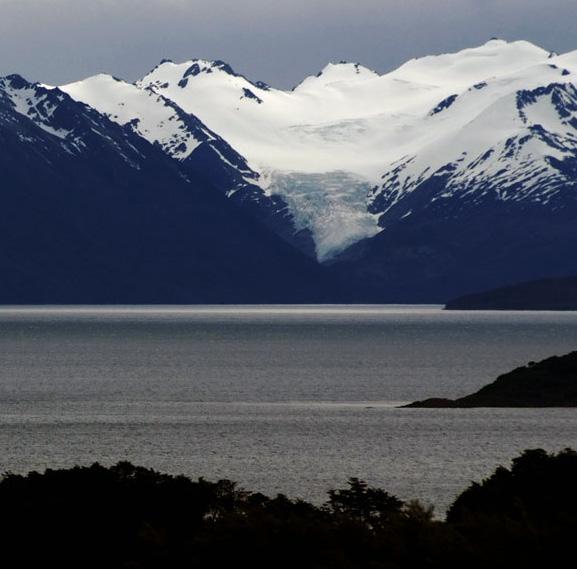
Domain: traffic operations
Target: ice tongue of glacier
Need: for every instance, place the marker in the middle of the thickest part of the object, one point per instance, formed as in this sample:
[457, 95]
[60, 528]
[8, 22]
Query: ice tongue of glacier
[331, 205]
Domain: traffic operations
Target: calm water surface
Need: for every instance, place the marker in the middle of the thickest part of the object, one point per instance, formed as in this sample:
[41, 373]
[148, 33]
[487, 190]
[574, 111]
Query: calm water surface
[290, 400]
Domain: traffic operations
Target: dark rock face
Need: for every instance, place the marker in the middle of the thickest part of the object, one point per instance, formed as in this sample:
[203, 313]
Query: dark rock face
[444, 104]
[545, 294]
[449, 250]
[549, 383]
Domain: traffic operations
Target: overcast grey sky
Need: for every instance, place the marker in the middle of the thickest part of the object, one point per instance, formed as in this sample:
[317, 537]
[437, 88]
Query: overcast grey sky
[276, 41]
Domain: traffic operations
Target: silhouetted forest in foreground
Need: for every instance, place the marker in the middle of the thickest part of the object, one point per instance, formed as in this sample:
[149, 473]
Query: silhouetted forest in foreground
[132, 517]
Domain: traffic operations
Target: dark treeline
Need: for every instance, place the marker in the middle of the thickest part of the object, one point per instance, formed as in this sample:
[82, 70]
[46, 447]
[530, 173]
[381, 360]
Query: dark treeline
[133, 517]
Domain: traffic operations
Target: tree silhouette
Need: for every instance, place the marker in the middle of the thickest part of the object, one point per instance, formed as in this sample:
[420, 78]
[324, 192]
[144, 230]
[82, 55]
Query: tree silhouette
[371, 506]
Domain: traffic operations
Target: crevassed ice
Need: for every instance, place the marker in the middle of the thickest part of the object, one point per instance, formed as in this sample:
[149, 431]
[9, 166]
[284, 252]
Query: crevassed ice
[332, 205]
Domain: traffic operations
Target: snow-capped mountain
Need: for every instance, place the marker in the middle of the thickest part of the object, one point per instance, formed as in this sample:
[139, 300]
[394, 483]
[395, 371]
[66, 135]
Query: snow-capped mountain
[511, 138]
[49, 120]
[278, 133]
[346, 147]
[91, 212]
[185, 138]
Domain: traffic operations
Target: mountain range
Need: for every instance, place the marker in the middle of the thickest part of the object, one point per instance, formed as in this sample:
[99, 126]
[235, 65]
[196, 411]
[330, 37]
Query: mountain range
[451, 174]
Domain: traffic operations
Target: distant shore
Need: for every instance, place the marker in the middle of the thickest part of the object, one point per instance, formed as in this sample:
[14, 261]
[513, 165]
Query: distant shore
[545, 294]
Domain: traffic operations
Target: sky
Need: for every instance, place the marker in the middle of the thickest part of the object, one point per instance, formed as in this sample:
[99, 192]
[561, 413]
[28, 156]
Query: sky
[277, 41]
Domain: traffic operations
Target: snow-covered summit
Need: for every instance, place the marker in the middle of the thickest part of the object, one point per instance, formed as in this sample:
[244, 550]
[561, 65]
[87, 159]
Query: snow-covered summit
[169, 73]
[469, 66]
[59, 131]
[149, 114]
[157, 119]
[335, 73]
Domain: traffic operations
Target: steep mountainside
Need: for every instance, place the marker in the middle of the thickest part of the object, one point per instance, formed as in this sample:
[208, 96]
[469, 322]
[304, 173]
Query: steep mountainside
[200, 151]
[90, 212]
[445, 252]
[458, 220]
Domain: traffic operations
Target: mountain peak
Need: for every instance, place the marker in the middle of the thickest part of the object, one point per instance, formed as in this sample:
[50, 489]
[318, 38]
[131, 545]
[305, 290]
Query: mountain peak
[103, 78]
[217, 73]
[495, 57]
[496, 41]
[346, 67]
[336, 72]
[15, 81]
[200, 66]
[499, 44]
[169, 73]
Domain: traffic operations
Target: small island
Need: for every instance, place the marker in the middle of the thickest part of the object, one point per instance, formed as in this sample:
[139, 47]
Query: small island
[544, 294]
[549, 383]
